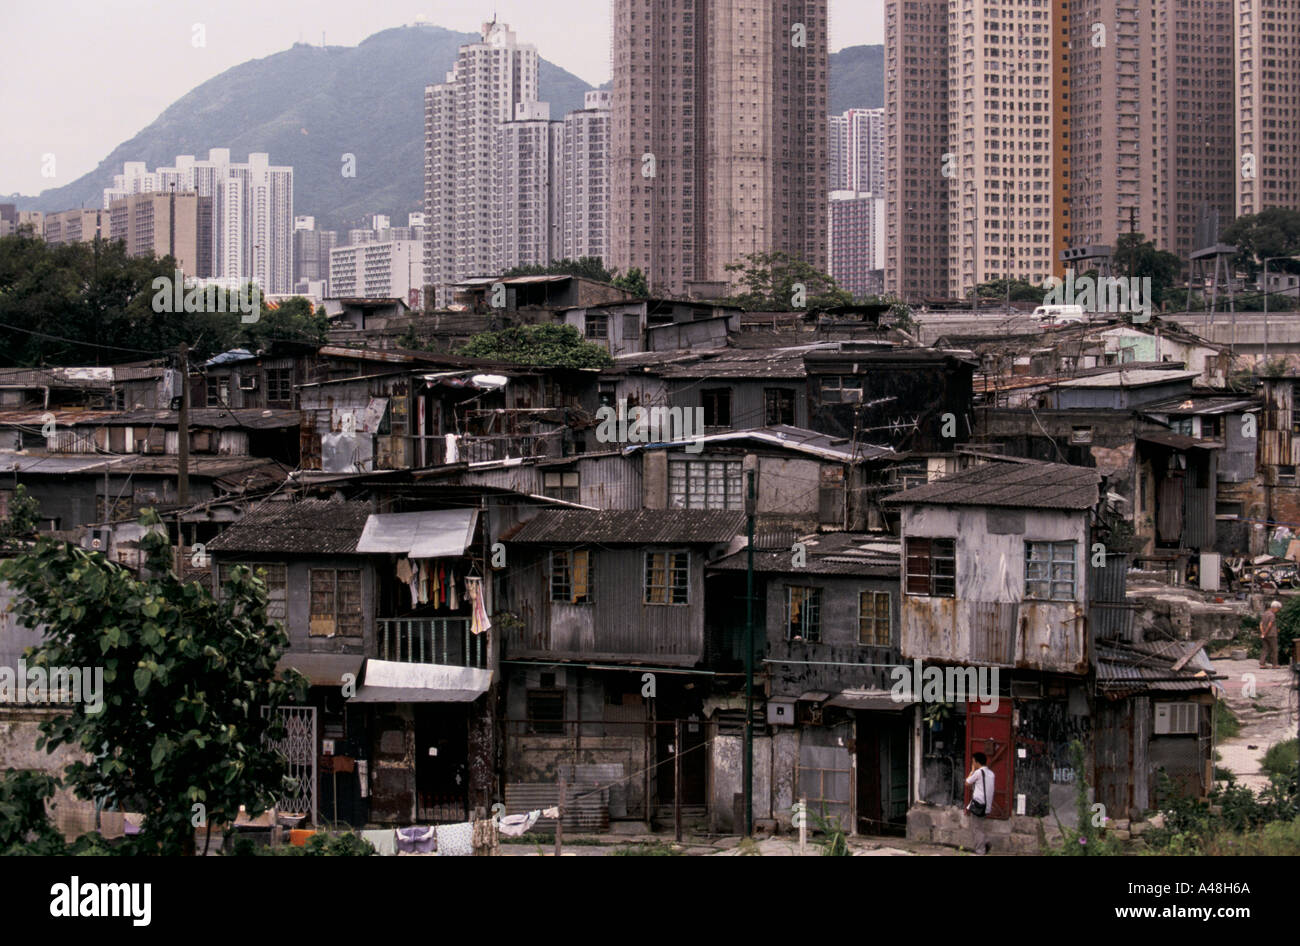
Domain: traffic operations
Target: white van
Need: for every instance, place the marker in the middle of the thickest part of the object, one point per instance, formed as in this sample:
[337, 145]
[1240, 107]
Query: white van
[1060, 315]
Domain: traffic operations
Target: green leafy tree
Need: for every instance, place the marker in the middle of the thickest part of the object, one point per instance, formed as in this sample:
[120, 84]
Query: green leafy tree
[293, 319]
[633, 281]
[1272, 232]
[1021, 291]
[24, 514]
[552, 346]
[190, 687]
[770, 281]
[591, 267]
[24, 826]
[1134, 255]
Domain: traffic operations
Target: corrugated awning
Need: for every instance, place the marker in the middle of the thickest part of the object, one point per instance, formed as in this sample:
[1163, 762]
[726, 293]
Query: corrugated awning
[437, 533]
[388, 681]
[875, 700]
[322, 669]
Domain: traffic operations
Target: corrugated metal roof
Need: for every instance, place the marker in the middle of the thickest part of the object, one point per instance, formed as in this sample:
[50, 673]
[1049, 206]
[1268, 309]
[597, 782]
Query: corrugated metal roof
[1130, 379]
[1150, 666]
[637, 527]
[832, 553]
[430, 533]
[312, 527]
[798, 439]
[216, 418]
[1020, 485]
[1202, 405]
[61, 464]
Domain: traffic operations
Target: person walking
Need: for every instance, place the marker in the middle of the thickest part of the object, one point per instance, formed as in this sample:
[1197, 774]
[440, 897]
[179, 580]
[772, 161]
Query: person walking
[1268, 635]
[981, 800]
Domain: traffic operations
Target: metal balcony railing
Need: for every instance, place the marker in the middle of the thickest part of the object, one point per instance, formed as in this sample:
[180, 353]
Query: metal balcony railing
[431, 641]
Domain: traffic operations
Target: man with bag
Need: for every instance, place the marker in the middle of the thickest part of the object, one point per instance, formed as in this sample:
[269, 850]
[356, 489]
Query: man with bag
[981, 800]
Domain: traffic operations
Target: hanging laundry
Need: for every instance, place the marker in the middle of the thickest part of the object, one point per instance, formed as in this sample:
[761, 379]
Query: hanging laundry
[512, 826]
[408, 576]
[479, 621]
[424, 581]
[456, 840]
[433, 583]
[452, 601]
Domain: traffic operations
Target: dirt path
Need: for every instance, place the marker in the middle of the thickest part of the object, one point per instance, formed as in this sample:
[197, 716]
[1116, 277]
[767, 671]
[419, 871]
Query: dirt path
[1266, 718]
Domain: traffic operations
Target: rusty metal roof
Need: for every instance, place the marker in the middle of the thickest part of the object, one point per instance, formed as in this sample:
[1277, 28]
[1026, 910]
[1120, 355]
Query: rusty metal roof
[636, 527]
[309, 527]
[217, 418]
[1135, 668]
[832, 553]
[1019, 485]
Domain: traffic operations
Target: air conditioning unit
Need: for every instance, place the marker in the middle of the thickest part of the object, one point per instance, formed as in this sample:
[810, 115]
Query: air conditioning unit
[1175, 718]
[248, 382]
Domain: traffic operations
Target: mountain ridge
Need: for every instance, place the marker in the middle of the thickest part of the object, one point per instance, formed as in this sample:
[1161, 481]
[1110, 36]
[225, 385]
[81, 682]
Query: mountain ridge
[329, 101]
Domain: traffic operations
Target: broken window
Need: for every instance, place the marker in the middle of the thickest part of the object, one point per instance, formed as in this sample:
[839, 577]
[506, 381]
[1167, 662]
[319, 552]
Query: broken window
[274, 574]
[705, 484]
[667, 577]
[335, 602]
[932, 567]
[803, 613]
[717, 407]
[778, 406]
[545, 712]
[219, 392]
[1049, 570]
[841, 389]
[1285, 475]
[561, 485]
[571, 576]
[873, 618]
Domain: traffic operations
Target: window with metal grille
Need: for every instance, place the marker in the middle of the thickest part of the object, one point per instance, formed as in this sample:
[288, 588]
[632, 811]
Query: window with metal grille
[1049, 570]
[335, 602]
[803, 613]
[717, 407]
[873, 618]
[841, 389]
[667, 577]
[932, 567]
[705, 484]
[561, 485]
[778, 406]
[279, 385]
[598, 326]
[277, 586]
[571, 576]
[545, 712]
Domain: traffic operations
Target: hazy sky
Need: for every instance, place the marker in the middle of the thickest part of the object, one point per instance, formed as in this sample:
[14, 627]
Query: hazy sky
[79, 78]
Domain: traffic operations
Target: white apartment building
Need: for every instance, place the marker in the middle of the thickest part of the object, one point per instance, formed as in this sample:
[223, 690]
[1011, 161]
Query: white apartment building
[252, 211]
[376, 270]
[856, 150]
[526, 213]
[584, 172]
[490, 80]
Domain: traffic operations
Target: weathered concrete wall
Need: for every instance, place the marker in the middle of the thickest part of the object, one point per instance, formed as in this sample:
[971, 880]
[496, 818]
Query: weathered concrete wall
[950, 825]
[727, 761]
[19, 729]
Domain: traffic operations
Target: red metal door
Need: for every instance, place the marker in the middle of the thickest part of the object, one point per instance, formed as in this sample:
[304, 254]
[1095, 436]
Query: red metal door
[990, 733]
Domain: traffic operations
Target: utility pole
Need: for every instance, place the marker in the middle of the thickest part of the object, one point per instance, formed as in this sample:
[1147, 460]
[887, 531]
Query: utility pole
[183, 432]
[749, 660]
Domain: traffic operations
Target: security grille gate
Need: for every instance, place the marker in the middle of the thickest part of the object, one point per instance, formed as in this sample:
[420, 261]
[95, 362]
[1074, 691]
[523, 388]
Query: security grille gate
[298, 748]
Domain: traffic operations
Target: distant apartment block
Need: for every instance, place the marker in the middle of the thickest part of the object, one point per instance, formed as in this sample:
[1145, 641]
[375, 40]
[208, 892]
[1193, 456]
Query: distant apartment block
[12, 219]
[252, 211]
[1268, 105]
[490, 79]
[526, 208]
[584, 169]
[856, 247]
[376, 270]
[175, 224]
[76, 226]
[311, 249]
[718, 144]
[855, 147]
